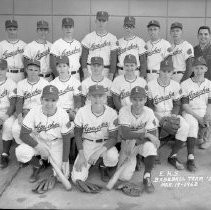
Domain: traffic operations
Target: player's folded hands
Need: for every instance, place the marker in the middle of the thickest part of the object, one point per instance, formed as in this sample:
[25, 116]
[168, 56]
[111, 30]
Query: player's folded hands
[153, 139]
[81, 162]
[94, 157]
[43, 151]
[66, 169]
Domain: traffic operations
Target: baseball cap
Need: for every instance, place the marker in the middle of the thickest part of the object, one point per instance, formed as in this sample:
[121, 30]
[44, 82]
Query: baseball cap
[62, 59]
[68, 22]
[199, 61]
[97, 60]
[176, 25]
[96, 90]
[153, 23]
[129, 21]
[138, 92]
[50, 92]
[33, 62]
[102, 15]
[167, 63]
[130, 59]
[3, 64]
[11, 23]
[42, 24]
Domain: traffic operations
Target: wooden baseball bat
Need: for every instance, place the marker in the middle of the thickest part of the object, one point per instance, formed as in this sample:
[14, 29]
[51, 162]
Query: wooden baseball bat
[117, 174]
[58, 171]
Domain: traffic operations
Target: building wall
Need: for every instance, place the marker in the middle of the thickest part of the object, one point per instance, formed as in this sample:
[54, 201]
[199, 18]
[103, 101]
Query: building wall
[192, 13]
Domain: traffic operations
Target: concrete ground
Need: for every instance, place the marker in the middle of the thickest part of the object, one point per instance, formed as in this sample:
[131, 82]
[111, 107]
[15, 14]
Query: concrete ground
[174, 189]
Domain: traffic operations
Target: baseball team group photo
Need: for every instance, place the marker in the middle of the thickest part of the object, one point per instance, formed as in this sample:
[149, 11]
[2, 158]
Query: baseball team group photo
[86, 116]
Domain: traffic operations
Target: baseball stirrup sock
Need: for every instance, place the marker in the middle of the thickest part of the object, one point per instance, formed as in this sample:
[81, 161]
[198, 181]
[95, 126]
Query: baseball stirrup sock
[148, 163]
[176, 147]
[6, 146]
[190, 145]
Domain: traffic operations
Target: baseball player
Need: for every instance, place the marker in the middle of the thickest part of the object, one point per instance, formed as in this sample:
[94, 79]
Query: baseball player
[68, 86]
[96, 135]
[67, 46]
[164, 96]
[48, 123]
[135, 121]
[39, 49]
[196, 105]
[100, 43]
[123, 84]
[29, 92]
[157, 50]
[8, 92]
[12, 50]
[131, 44]
[182, 54]
[97, 78]
[204, 48]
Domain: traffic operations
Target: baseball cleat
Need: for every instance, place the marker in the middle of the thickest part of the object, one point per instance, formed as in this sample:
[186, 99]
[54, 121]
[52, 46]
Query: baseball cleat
[148, 186]
[191, 165]
[176, 163]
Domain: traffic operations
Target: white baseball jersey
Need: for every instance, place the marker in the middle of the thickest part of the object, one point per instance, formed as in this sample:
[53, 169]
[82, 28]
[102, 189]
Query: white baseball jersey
[146, 120]
[72, 50]
[181, 53]
[67, 89]
[8, 90]
[105, 82]
[134, 46]
[156, 52]
[53, 126]
[31, 93]
[100, 46]
[13, 53]
[40, 52]
[198, 94]
[163, 96]
[122, 88]
[96, 127]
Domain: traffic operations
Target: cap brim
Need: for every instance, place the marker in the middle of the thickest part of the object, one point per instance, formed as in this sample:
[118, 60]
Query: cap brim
[32, 64]
[50, 96]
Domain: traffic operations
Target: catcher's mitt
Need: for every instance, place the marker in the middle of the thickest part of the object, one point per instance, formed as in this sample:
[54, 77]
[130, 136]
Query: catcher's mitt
[130, 189]
[88, 187]
[45, 185]
[170, 124]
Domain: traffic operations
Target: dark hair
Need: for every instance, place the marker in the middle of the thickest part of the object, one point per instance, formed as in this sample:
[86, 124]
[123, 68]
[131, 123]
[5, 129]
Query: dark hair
[204, 27]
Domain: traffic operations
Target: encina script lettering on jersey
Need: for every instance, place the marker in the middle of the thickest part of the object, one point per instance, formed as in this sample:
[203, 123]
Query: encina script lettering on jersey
[98, 46]
[132, 46]
[196, 94]
[71, 52]
[7, 54]
[160, 99]
[66, 90]
[41, 127]
[34, 93]
[124, 94]
[4, 93]
[39, 54]
[155, 51]
[177, 51]
[138, 127]
[94, 129]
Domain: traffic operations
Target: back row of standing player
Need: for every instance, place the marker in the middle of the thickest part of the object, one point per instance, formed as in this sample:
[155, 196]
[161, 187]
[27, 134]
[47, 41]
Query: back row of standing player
[103, 44]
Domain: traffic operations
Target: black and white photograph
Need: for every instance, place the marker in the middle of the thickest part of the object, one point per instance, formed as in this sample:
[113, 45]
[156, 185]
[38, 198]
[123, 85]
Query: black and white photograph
[105, 104]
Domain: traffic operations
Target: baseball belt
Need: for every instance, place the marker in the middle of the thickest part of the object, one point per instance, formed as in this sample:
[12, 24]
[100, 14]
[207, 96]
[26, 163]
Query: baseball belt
[178, 72]
[107, 66]
[121, 68]
[97, 141]
[45, 75]
[16, 70]
[153, 71]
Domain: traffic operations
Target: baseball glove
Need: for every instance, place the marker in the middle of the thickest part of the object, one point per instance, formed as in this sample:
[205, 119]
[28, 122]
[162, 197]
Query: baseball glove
[130, 189]
[45, 185]
[88, 187]
[170, 124]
